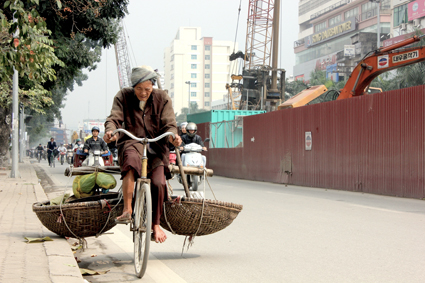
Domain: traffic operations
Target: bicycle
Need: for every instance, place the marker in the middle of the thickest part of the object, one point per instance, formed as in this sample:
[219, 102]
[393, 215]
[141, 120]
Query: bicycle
[141, 223]
[52, 159]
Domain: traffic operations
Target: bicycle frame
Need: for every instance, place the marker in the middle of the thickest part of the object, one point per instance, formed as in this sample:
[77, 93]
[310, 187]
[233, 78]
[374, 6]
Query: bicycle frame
[141, 224]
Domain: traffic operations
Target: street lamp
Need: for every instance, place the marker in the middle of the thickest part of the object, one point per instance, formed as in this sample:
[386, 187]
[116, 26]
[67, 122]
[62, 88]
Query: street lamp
[188, 82]
[378, 3]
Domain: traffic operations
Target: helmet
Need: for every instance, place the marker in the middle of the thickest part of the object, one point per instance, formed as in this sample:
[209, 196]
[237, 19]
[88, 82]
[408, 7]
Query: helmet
[191, 126]
[95, 128]
[184, 124]
[61, 143]
[77, 140]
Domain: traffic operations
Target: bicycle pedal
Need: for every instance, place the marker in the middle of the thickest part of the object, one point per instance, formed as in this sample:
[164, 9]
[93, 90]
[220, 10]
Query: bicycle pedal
[128, 221]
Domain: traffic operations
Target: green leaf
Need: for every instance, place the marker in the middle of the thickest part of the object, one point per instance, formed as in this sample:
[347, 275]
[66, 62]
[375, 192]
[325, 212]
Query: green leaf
[37, 240]
[7, 3]
[59, 4]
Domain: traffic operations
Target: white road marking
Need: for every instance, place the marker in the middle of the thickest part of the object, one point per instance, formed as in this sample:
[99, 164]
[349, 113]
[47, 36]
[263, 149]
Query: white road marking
[157, 270]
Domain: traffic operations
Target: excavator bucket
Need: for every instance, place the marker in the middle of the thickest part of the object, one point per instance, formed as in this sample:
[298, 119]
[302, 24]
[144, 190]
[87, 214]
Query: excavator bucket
[303, 97]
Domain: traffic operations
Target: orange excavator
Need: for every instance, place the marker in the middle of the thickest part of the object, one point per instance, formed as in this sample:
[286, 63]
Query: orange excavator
[382, 60]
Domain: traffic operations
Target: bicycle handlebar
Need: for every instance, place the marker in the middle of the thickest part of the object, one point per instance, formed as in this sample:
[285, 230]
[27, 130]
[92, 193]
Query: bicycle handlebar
[143, 139]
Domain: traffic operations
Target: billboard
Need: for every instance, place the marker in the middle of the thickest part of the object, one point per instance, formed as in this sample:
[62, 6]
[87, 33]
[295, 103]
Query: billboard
[89, 124]
[416, 9]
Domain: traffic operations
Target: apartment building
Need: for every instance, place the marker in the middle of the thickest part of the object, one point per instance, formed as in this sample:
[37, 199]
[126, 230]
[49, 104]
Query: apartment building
[197, 68]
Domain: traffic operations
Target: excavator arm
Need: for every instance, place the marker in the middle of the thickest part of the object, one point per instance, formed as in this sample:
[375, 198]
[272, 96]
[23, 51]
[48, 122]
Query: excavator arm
[384, 60]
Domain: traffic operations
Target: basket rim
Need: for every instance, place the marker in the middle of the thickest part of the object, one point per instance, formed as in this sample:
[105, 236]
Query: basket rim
[42, 207]
[216, 203]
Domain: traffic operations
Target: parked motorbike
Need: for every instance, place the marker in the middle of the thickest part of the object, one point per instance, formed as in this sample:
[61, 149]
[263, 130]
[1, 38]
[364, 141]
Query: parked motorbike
[193, 158]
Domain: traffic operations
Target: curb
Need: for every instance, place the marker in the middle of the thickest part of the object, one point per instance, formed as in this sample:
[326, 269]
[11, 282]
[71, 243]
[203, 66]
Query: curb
[62, 265]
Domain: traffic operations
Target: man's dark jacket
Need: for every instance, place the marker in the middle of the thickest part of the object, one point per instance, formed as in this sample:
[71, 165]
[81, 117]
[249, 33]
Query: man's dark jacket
[98, 144]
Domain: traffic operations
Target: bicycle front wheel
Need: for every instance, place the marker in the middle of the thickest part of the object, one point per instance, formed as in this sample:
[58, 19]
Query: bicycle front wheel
[142, 227]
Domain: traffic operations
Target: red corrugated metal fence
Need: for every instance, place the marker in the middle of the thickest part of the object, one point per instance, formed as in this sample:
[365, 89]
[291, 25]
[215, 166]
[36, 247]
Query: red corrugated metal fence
[373, 143]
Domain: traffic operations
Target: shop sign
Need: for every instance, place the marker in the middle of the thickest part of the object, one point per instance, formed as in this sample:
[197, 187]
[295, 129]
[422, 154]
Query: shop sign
[334, 31]
[416, 9]
[349, 50]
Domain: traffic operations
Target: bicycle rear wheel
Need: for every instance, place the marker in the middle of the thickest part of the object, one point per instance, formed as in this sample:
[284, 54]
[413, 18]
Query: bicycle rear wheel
[142, 227]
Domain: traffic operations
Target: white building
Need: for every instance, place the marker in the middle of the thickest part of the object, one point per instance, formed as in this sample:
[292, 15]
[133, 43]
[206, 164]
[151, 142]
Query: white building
[197, 65]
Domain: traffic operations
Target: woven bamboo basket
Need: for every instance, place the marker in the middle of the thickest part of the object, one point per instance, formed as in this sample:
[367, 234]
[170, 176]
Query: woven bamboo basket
[192, 217]
[84, 219]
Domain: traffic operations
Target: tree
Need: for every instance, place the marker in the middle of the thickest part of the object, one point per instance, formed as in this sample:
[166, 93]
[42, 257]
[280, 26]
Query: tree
[185, 111]
[31, 53]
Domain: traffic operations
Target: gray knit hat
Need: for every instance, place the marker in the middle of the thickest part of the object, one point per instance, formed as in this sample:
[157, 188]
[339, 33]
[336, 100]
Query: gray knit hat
[142, 74]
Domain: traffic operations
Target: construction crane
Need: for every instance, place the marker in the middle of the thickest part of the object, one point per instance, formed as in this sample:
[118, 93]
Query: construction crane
[122, 58]
[259, 89]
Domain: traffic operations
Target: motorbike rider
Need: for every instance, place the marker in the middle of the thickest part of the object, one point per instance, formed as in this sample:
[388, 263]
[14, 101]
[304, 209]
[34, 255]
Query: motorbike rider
[95, 142]
[39, 150]
[51, 145]
[77, 144]
[183, 128]
[62, 149]
[192, 137]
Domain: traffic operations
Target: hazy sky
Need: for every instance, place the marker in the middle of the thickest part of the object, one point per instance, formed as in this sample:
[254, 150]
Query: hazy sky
[151, 26]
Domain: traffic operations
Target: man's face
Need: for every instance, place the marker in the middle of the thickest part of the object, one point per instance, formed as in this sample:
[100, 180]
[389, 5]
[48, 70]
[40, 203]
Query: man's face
[184, 130]
[52, 140]
[143, 90]
[191, 131]
[95, 133]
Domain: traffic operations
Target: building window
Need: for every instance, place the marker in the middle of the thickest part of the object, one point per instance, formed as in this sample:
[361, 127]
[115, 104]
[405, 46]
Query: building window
[172, 94]
[207, 47]
[172, 85]
[193, 66]
[400, 15]
[207, 76]
[207, 85]
[193, 94]
[172, 67]
[192, 84]
[207, 94]
[194, 47]
[193, 56]
[207, 57]
[172, 76]
[207, 103]
[193, 76]
[320, 27]
[207, 66]
[334, 20]
[351, 13]
[172, 57]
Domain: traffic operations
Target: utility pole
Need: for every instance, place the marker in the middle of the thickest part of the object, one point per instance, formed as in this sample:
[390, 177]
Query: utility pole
[378, 23]
[188, 82]
[14, 173]
[21, 133]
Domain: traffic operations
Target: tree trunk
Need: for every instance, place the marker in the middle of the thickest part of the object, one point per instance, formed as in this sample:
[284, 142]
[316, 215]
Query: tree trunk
[5, 132]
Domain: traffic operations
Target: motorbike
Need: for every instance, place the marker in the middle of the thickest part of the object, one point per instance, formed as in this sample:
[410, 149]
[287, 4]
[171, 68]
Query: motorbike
[193, 158]
[40, 154]
[69, 156]
[114, 152]
[62, 156]
[93, 158]
[173, 157]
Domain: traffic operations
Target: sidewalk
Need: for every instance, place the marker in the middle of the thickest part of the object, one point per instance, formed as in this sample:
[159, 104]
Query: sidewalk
[51, 261]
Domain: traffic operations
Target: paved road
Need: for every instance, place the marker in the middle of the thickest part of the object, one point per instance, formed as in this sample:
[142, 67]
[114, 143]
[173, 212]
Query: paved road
[283, 234]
